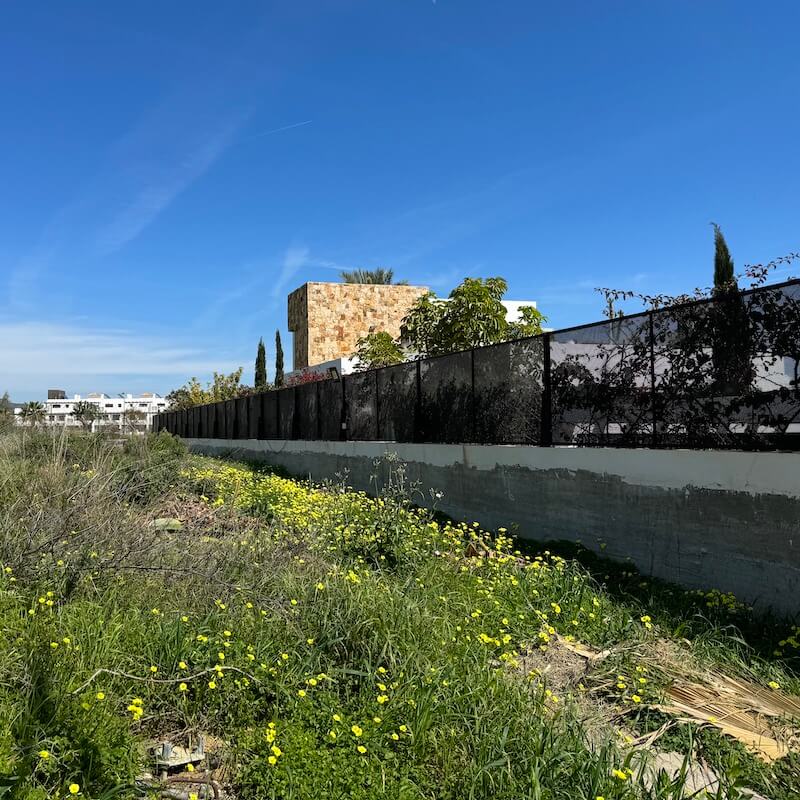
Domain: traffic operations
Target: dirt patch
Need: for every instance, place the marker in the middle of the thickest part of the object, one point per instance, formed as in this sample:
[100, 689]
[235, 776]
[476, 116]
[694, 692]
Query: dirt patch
[559, 667]
[199, 518]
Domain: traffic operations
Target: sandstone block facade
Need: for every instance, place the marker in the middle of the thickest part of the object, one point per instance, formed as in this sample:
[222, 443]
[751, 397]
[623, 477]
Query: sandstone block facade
[327, 319]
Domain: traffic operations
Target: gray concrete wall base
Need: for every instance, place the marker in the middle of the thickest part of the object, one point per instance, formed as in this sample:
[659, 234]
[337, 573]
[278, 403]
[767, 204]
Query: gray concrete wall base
[703, 519]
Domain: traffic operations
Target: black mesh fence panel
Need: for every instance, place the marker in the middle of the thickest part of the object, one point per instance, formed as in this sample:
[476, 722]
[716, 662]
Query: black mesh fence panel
[253, 415]
[726, 371]
[775, 330]
[230, 419]
[269, 416]
[601, 384]
[330, 409]
[445, 406]
[306, 411]
[720, 373]
[241, 423]
[212, 431]
[397, 407]
[202, 427]
[508, 385]
[286, 413]
[362, 406]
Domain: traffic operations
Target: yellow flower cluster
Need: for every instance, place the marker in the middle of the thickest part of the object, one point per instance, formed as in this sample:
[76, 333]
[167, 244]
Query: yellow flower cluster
[271, 735]
[136, 708]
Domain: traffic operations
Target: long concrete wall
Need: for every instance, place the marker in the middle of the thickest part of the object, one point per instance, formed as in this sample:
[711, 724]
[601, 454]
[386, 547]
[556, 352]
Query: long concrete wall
[703, 519]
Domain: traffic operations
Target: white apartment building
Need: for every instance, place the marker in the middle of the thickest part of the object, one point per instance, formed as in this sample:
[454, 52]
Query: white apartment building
[115, 411]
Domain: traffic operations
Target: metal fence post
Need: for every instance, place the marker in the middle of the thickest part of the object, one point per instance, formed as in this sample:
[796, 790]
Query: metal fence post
[546, 434]
[653, 401]
[317, 411]
[418, 406]
[377, 410]
[472, 403]
[343, 414]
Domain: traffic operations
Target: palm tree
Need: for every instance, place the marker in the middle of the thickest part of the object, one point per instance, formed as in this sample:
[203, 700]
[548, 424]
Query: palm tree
[32, 412]
[380, 275]
[86, 413]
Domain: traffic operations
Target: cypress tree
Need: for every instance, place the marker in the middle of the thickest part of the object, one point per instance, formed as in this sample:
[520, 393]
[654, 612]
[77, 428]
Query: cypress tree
[261, 366]
[278, 360]
[732, 340]
[724, 279]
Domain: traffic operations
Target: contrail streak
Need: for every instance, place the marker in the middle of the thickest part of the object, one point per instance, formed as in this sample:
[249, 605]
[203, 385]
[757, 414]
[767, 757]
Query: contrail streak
[284, 128]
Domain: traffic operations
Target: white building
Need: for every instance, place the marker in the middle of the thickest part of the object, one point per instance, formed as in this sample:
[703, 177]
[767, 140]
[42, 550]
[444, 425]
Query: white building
[115, 412]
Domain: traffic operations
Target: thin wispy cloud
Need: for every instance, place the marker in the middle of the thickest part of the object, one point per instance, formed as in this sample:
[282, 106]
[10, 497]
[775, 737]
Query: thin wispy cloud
[296, 258]
[134, 180]
[270, 278]
[165, 182]
[44, 348]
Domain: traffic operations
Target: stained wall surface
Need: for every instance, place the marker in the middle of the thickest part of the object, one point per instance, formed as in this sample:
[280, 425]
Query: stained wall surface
[703, 519]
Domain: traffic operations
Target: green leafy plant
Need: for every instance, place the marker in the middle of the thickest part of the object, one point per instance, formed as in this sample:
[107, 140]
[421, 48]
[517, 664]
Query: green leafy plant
[378, 349]
[529, 323]
[86, 413]
[221, 387]
[472, 316]
[331, 643]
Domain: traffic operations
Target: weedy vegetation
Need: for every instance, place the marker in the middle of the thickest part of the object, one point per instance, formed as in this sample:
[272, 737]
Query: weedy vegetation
[325, 643]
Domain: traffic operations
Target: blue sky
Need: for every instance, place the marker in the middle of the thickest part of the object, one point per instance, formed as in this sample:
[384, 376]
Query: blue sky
[171, 170]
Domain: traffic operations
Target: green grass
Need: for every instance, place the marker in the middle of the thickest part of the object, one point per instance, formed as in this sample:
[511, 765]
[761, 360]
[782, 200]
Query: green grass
[335, 645]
